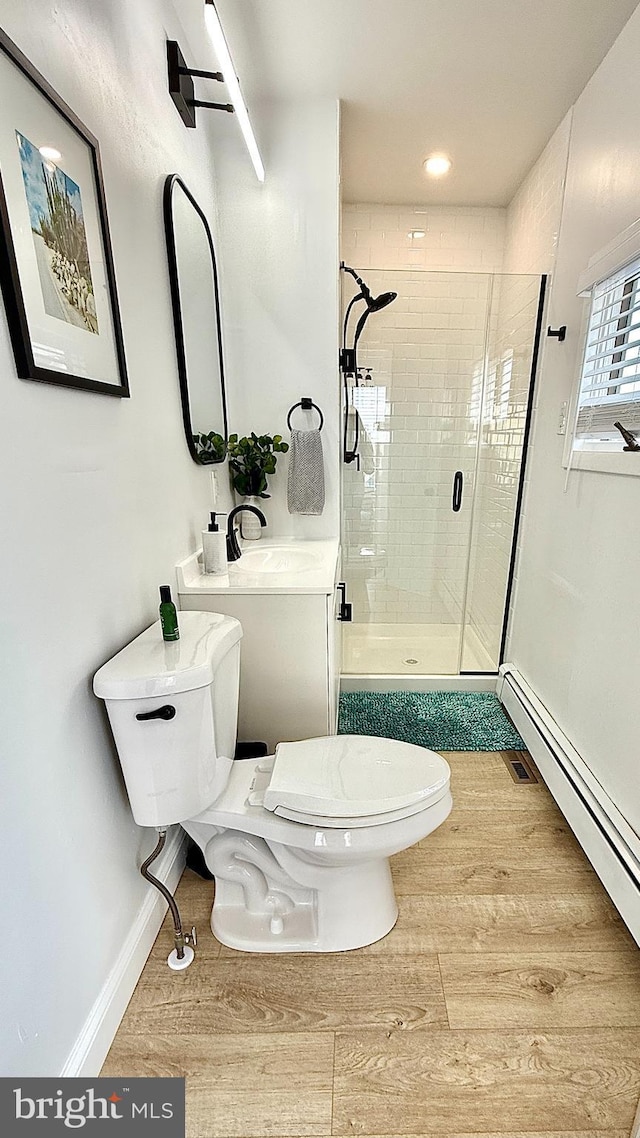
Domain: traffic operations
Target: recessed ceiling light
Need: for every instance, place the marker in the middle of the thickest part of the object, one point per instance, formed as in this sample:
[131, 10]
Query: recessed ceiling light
[437, 165]
[50, 154]
[417, 233]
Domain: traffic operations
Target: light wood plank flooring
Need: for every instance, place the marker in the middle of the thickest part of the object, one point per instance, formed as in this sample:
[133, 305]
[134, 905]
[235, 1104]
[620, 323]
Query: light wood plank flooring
[505, 1003]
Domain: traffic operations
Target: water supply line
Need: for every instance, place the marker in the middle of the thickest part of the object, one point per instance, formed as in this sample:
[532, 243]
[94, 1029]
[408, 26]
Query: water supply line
[182, 954]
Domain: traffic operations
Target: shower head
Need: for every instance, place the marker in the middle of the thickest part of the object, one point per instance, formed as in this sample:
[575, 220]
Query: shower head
[375, 303]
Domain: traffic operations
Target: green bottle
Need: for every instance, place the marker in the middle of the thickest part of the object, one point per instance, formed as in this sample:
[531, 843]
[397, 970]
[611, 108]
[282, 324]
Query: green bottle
[168, 615]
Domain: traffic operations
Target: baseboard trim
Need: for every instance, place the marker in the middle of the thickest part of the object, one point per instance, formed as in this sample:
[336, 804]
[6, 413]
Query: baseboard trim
[476, 682]
[90, 1049]
[610, 844]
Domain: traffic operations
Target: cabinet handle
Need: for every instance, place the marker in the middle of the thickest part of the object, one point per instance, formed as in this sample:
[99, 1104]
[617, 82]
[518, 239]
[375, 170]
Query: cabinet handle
[458, 482]
[345, 608]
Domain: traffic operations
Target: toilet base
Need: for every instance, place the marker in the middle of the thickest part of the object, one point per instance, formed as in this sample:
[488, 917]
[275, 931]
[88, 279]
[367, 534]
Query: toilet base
[260, 907]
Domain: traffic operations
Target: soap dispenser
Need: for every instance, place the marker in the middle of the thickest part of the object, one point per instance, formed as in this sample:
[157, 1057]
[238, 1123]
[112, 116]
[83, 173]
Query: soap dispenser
[214, 547]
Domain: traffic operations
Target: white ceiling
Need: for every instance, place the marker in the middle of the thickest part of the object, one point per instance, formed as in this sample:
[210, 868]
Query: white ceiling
[486, 81]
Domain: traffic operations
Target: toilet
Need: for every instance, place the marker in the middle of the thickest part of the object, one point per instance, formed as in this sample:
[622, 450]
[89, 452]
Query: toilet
[299, 842]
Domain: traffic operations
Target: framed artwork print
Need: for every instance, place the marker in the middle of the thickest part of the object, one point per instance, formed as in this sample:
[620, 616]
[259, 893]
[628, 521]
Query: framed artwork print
[56, 265]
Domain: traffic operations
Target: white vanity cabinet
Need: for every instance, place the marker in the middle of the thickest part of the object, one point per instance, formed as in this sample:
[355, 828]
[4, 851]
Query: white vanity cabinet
[291, 645]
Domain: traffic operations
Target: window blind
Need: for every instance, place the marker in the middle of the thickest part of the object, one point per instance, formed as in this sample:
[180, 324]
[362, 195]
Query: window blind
[610, 380]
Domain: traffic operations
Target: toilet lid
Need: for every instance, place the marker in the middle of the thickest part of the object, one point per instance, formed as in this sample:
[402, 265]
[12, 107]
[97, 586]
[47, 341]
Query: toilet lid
[352, 776]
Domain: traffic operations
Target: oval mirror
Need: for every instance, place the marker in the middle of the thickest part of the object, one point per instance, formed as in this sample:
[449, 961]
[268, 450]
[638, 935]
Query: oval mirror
[196, 316]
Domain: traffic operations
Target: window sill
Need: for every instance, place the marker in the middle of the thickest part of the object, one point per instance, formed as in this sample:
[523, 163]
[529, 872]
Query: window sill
[606, 462]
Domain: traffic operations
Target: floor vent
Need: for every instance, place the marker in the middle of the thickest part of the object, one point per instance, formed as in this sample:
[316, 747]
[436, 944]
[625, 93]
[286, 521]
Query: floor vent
[520, 768]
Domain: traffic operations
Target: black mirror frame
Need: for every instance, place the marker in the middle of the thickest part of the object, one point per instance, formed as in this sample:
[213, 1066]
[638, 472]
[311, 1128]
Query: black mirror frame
[171, 181]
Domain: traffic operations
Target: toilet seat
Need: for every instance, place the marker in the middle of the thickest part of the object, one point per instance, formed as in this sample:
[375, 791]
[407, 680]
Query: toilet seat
[241, 807]
[362, 820]
[353, 780]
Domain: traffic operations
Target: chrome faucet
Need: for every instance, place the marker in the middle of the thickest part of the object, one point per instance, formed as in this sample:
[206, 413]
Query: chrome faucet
[233, 549]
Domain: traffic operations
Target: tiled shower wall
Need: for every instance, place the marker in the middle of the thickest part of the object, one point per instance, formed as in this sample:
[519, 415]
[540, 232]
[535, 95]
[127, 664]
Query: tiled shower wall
[456, 239]
[427, 353]
[532, 229]
[533, 226]
[405, 550]
[533, 215]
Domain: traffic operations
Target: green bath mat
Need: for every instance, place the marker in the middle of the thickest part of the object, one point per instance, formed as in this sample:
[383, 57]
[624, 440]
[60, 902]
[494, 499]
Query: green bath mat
[441, 720]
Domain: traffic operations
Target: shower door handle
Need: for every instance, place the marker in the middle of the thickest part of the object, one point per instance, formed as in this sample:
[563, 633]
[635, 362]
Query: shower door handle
[458, 483]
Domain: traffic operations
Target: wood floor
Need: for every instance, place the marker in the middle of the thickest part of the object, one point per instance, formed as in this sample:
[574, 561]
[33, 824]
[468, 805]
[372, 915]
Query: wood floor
[505, 1002]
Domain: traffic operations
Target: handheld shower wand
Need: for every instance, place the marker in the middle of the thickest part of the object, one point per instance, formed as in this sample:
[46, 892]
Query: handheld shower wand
[349, 356]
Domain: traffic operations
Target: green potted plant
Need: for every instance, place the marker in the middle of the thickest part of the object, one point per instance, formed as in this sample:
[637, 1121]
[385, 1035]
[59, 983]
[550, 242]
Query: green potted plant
[251, 460]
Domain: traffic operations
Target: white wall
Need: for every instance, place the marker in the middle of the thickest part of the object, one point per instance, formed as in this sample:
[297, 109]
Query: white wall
[279, 252]
[100, 499]
[100, 495]
[577, 607]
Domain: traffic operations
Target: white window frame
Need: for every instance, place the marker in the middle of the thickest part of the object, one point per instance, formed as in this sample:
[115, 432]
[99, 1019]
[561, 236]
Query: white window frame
[606, 457]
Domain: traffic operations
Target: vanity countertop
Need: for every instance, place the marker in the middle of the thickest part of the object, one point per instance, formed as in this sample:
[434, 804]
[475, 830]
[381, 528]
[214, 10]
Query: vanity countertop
[270, 565]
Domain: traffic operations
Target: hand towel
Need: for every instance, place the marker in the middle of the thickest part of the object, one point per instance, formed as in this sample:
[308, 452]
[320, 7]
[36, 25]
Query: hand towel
[305, 489]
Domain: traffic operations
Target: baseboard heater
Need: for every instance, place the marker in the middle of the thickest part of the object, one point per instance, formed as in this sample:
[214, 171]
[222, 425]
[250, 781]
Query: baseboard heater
[610, 843]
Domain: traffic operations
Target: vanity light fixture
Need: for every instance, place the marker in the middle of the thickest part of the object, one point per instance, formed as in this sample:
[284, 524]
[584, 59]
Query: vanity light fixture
[415, 233]
[182, 90]
[437, 165]
[214, 27]
[181, 86]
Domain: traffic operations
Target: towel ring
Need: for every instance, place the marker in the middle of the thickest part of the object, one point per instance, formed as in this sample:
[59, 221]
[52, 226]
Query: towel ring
[307, 405]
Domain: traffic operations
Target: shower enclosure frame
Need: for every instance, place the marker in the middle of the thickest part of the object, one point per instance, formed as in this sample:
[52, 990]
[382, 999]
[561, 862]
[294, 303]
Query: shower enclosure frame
[533, 375]
[533, 372]
[480, 675]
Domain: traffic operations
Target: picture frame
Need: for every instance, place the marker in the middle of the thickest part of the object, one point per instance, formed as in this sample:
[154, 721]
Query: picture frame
[57, 273]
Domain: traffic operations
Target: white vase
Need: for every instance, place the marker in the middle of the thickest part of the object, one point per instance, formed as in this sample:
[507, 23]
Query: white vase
[250, 528]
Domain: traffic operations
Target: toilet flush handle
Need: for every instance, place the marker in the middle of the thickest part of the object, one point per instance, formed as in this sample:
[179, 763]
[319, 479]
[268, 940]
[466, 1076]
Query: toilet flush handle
[167, 711]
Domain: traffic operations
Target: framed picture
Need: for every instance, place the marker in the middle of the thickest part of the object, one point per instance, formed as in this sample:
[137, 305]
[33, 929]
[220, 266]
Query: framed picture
[56, 265]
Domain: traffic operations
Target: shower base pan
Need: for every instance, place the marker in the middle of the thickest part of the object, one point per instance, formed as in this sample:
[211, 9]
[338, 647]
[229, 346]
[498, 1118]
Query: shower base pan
[410, 650]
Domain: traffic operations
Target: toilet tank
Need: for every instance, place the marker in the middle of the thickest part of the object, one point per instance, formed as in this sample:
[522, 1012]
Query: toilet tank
[173, 710]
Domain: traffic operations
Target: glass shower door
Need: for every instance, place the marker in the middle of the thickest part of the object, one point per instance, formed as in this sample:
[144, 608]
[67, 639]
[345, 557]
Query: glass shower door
[407, 500]
[514, 330]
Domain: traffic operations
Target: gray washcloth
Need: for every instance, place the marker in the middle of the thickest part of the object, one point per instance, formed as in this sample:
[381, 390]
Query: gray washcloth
[305, 489]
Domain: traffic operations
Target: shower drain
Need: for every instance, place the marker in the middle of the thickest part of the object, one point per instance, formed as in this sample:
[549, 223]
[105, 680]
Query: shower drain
[410, 660]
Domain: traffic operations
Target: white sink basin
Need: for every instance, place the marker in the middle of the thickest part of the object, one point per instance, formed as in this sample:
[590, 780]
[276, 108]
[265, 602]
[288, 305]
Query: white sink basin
[271, 565]
[275, 559]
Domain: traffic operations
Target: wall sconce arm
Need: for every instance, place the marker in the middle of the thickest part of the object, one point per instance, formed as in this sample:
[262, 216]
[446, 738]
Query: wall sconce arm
[181, 86]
